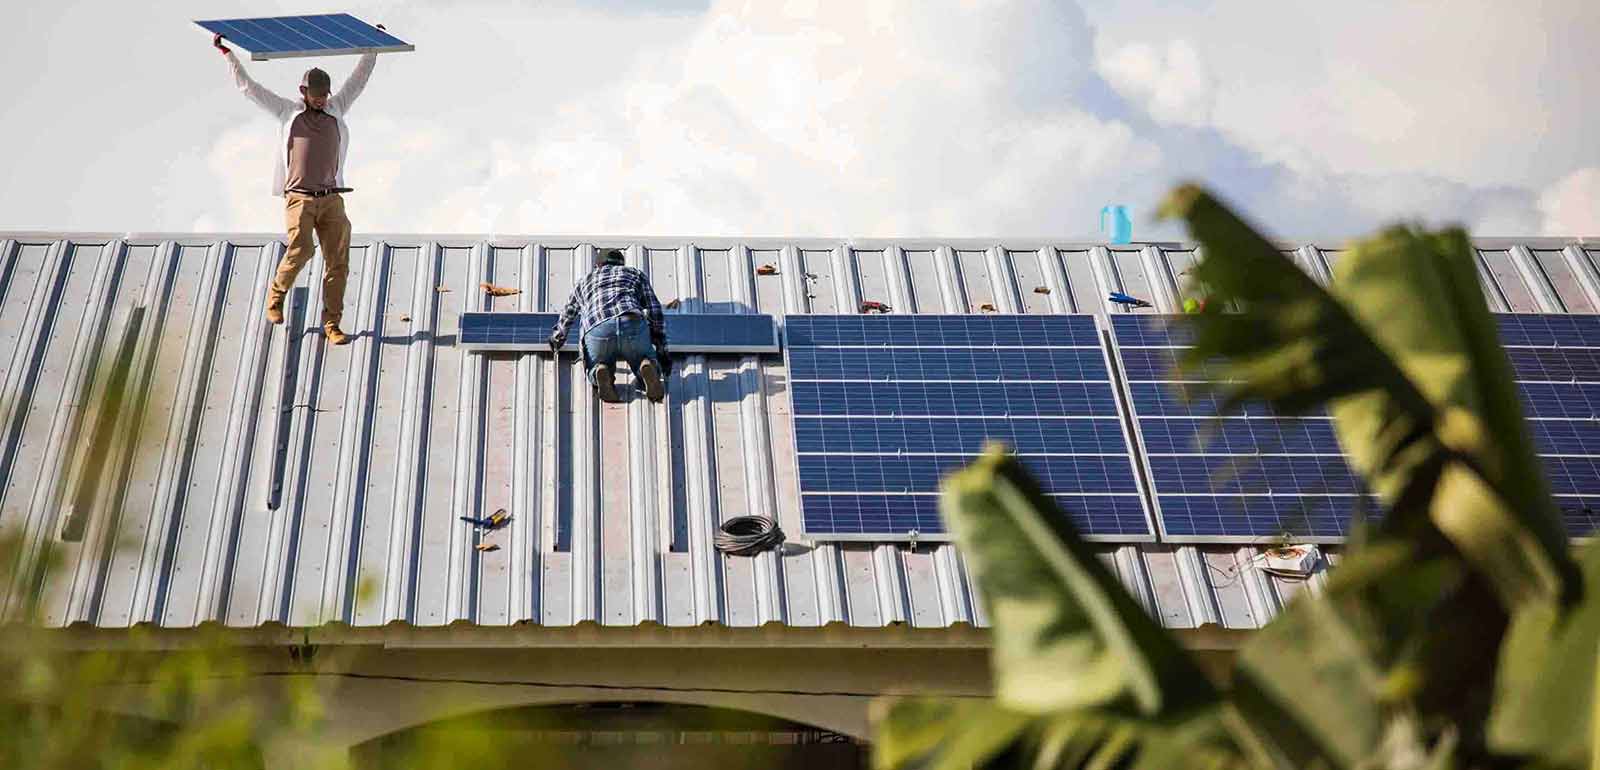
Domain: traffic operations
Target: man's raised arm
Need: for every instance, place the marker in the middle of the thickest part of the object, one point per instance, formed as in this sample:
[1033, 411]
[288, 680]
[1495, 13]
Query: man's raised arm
[354, 85]
[255, 92]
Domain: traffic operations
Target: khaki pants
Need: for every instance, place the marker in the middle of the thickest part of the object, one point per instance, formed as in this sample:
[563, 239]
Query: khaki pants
[325, 217]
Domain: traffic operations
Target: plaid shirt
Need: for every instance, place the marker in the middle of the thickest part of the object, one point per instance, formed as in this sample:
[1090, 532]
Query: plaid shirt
[609, 291]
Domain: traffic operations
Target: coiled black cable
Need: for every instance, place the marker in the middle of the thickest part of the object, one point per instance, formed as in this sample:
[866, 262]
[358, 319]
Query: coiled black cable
[748, 535]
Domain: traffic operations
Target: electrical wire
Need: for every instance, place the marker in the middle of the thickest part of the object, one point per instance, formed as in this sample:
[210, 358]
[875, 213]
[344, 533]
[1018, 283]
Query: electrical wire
[748, 535]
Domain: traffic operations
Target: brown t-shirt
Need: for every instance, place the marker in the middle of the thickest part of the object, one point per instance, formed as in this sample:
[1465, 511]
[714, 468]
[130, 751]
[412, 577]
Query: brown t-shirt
[313, 151]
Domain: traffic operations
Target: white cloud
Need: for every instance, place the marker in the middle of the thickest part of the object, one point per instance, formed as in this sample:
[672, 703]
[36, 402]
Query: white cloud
[1172, 85]
[1479, 92]
[832, 117]
[799, 118]
[1571, 207]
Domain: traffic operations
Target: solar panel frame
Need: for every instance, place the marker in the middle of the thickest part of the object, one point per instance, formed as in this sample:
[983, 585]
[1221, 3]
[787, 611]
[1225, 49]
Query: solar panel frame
[287, 37]
[969, 338]
[686, 333]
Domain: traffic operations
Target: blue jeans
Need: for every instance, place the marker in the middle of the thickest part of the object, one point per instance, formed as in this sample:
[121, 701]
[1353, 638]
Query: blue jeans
[618, 338]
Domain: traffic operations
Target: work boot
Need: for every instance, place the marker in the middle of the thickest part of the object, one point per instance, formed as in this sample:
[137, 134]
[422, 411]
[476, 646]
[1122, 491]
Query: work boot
[651, 374]
[275, 311]
[605, 383]
[334, 335]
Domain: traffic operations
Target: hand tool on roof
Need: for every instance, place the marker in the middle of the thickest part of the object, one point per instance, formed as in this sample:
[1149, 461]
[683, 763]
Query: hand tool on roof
[766, 270]
[495, 520]
[498, 291]
[486, 547]
[1123, 299]
[1041, 290]
[988, 307]
[873, 306]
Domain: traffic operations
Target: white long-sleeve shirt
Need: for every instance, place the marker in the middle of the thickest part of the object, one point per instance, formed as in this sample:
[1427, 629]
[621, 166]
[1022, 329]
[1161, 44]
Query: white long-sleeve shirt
[285, 110]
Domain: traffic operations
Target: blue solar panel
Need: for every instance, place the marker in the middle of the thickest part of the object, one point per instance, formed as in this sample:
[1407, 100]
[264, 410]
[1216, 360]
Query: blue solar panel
[872, 516]
[1056, 474]
[885, 406]
[1548, 330]
[1253, 474]
[282, 37]
[977, 399]
[1555, 364]
[1238, 473]
[957, 435]
[1556, 359]
[1322, 517]
[686, 333]
[1289, 435]
[1250, 474]
[940, 331]
[1576, 401]
[1048, 364]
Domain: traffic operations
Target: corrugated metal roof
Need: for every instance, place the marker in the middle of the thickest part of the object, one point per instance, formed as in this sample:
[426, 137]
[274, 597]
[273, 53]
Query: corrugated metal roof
[261, 477]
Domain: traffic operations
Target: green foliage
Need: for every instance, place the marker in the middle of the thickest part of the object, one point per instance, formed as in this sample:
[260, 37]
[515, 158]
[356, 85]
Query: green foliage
[1404, 352]
[1547, 679]
[1405, 660]
[1066, 634]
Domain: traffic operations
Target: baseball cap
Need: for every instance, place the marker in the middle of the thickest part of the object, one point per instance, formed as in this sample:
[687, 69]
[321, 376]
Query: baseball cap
[316, 82]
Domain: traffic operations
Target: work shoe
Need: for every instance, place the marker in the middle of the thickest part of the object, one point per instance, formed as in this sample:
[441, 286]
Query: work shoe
[651, 374]
[605, 383]
[275, 313]
[334, 334]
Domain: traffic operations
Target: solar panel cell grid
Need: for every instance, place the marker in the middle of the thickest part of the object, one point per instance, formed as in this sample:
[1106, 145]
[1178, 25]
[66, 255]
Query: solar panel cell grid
[885, 406]
[958, 436]
[1254, 517]
[321, 34]
[1254, 474]
[875, 515]
[1555, 364]
[1556, 359]
[979, 399]
[1240, 436]
[921, 473]
[1246, 475]
[935, 331]
[1560, 400]
[1051, 364]
[1212, 476]
[1545, 330]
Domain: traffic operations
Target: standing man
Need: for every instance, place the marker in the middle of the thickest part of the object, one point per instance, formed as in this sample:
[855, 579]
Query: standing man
[621, 319]
[309, 175]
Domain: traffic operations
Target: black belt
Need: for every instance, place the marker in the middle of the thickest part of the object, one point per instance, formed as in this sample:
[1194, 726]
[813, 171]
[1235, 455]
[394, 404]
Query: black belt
[322, 193]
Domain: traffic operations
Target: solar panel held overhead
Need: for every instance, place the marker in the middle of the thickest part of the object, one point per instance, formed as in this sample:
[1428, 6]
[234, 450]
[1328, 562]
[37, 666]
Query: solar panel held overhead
[285, 37]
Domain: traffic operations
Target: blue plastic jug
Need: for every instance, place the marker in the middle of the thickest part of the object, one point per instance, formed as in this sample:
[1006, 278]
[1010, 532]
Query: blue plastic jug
[1115, 224]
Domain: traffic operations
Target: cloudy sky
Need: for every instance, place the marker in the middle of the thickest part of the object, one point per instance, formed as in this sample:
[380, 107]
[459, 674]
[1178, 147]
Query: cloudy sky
[829, 117]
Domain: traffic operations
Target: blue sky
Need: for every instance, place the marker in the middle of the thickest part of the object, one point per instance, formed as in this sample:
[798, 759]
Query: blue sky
[807, 117]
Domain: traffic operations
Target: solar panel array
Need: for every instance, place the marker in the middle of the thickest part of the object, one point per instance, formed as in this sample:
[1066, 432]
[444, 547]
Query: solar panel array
[1253, 474]
[686, 332]
[282, 37]
[1245, 475]
[884, 406]
[1556, 360]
